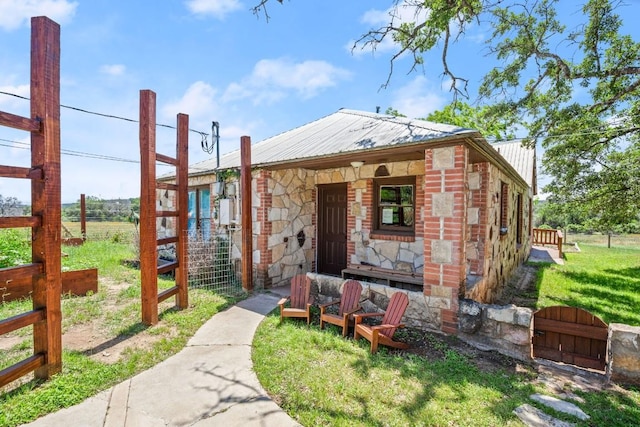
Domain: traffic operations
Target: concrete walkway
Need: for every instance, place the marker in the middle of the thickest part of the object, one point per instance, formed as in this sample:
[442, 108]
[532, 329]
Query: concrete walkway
[209, 383]
[545, 254]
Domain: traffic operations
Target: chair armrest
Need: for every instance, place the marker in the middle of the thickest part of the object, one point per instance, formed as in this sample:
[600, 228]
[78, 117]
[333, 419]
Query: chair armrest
[323, 306]
[359, 317]
[399, 325]
[353, 311]
[283, 300]
[369, 315]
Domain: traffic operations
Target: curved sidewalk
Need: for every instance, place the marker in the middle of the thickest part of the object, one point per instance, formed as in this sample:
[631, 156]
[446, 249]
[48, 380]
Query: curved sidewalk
[209, 383]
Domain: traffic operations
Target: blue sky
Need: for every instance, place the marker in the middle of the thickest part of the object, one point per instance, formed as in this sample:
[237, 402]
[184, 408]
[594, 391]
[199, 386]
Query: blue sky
[213, 60]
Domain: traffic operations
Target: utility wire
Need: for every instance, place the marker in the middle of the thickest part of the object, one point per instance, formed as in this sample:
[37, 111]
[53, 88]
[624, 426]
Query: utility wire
[203, 135]
[27, 146]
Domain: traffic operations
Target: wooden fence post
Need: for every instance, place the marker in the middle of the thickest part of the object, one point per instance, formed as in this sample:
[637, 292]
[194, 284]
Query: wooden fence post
[45, 193]
[247, 224]
[148, 232]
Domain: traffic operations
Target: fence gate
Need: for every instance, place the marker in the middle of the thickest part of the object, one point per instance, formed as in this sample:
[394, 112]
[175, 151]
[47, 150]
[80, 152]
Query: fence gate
[570, 335]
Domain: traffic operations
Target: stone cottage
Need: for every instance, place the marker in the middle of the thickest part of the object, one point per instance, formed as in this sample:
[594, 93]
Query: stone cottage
[430, 209]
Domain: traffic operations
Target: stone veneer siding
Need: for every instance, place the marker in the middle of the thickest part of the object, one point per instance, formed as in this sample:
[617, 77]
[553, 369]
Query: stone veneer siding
[402, 253]
[477, 179]
[493, 257]
[286, 210]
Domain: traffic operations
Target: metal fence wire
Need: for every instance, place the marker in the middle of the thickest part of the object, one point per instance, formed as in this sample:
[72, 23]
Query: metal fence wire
[214, 262]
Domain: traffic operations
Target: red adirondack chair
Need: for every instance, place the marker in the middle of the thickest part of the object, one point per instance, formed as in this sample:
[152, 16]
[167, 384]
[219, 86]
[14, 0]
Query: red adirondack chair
[300, 299]
[349, 304]
[383, 333]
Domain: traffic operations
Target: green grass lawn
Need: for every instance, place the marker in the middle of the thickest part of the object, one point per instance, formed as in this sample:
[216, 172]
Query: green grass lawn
[322, 379]
[118, 313]
[604, 281]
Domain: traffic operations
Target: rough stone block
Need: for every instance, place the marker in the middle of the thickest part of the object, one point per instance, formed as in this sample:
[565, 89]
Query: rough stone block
[441, 251]
[442, 204]
[473, 180]
[469, 316]
[359, 184]
[389, 250]
[444, 158]
[624, 353]
[505, 314]
[473, 216]
[356, 209]
[439, 303]
[523, 316]
[415, 168]
[515, 334]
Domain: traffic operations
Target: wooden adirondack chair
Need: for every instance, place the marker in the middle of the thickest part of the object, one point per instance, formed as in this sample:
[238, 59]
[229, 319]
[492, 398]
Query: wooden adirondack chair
[300, 299]
[349, 304]
[383, 333]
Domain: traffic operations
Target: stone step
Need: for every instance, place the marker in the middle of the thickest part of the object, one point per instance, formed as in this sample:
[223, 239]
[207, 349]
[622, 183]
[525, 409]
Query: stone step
[534, 417]
[560, 405]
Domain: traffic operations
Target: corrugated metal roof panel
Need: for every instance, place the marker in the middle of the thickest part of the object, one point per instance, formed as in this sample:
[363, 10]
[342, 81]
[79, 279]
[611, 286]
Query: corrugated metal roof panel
[522, 158]
[351, 131]
[341, 132]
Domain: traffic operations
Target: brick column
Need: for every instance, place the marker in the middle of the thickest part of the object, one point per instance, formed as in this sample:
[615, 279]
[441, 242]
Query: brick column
[444, 224]
[262, 257]
[359, 214]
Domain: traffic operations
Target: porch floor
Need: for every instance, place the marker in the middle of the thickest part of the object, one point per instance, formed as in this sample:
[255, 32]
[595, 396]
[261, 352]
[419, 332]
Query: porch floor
[545, 254]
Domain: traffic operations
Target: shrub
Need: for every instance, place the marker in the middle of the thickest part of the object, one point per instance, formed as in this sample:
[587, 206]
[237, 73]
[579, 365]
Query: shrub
[15, 247]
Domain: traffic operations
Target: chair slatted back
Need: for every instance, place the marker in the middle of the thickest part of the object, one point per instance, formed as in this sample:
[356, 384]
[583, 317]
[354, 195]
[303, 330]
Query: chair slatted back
[300, 291]
[393, 316]
[351, 293]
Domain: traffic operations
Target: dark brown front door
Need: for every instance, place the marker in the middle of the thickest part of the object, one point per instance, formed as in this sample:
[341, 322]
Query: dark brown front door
[332, 228]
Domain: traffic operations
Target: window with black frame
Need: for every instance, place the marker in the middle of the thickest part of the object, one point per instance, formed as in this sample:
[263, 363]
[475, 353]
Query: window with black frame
[394, 208]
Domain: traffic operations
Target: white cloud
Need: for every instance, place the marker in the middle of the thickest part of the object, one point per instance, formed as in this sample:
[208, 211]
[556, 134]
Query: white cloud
[198, 102]
[15, 13]
[113, 69]
[216, 8]
[398, 14]
[418, 98]
[12, 104]
[273, 79]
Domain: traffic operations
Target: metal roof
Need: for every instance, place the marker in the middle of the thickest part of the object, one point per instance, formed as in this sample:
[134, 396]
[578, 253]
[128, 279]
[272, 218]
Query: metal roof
[522, 158]
[352, 132]
[345, 131]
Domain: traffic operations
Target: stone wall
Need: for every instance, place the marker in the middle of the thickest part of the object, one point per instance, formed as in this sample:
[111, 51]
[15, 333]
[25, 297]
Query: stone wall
[376, 297]
[364, 246]
[492, 254]
[624, 353]
[291, 215]
[506, 329]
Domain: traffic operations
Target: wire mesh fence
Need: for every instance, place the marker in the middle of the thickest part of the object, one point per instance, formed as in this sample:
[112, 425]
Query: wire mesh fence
[214, 262]
[213, 258]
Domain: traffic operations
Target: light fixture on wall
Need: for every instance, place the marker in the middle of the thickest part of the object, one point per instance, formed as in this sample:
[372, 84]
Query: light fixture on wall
[357, 163]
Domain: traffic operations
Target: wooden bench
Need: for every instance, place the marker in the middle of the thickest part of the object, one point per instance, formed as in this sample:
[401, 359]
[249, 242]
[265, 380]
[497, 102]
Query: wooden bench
[383, 276]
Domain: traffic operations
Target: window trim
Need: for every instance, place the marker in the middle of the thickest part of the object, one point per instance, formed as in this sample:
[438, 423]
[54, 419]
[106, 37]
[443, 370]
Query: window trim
[504, 208]
[379, 229]
[520, 216]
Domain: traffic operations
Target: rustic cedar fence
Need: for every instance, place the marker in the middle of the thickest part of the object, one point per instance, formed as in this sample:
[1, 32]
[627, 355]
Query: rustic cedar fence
[149, 186]
[45, 221]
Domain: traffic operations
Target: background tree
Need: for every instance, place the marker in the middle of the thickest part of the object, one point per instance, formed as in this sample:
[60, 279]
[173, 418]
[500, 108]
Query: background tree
[576, 90]
[479, 118]
[9, 206]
